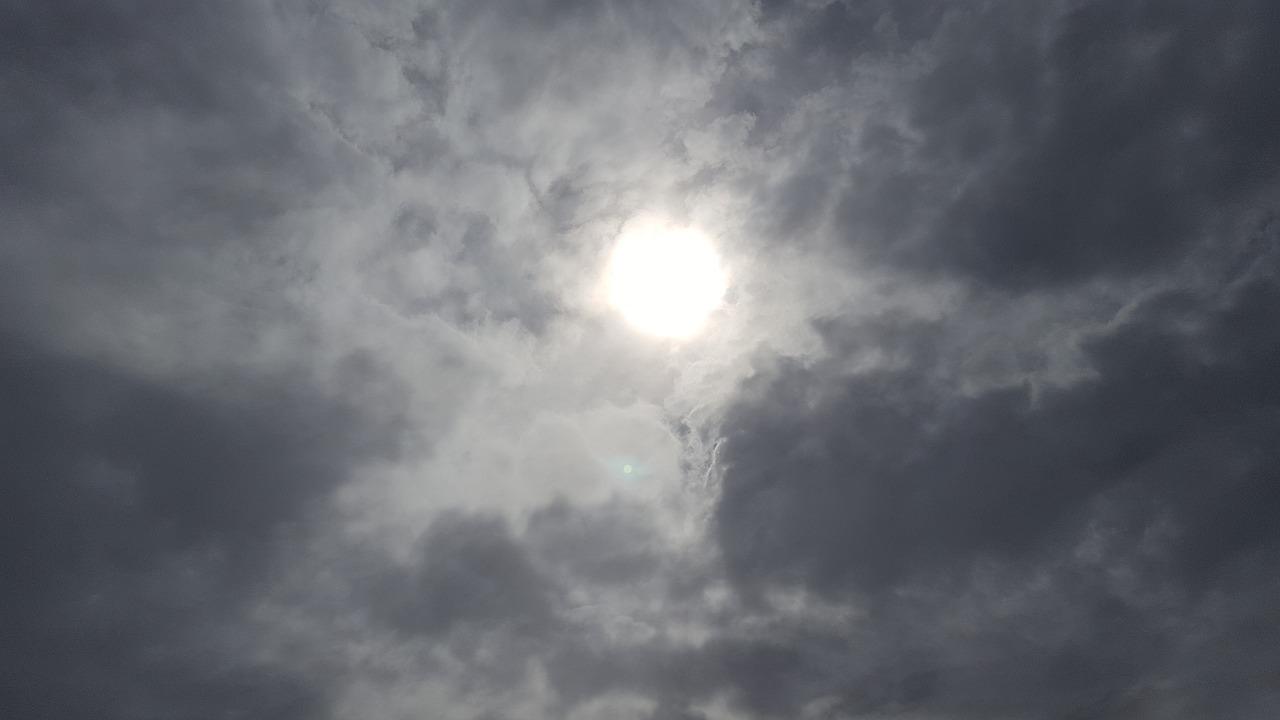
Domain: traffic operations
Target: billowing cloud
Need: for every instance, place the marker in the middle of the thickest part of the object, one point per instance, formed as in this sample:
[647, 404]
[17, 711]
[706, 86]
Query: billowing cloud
[313, 405]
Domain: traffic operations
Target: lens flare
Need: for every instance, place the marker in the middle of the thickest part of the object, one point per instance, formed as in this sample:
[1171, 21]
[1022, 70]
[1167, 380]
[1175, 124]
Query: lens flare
[624, 468]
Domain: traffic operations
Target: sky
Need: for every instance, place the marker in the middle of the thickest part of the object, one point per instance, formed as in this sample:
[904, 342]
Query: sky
[315, 405]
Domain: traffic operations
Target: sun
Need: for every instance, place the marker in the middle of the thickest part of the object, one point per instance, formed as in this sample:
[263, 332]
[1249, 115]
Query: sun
[665, 279]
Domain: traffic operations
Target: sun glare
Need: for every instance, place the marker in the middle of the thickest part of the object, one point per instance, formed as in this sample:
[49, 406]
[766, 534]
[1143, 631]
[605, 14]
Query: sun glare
[666, 280]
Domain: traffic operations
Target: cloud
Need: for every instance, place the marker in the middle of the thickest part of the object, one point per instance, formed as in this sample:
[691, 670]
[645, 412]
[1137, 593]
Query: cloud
[1019, 146]
[863, 480]
[472, 573]
[139, 518]
[312, 404]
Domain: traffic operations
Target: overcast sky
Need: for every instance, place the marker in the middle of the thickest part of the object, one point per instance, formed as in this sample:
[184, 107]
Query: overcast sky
[312, 405]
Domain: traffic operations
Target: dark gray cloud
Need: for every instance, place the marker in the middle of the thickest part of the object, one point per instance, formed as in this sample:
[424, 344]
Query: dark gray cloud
[1032, 145]
[137, 519]
[886, 484]
[865, 480]
[310, 404]
[614, 544]
[472, 572]
[192, 101]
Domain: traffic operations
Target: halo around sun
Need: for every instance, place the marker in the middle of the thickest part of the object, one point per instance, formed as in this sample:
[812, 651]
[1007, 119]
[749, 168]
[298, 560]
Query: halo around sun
[666, 280]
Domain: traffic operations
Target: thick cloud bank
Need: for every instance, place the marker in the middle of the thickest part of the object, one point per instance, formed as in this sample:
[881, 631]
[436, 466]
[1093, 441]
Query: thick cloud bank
[312, 404]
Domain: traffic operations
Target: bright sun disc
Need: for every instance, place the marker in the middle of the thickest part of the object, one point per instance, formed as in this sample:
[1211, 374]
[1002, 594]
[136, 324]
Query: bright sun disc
[665, 280]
